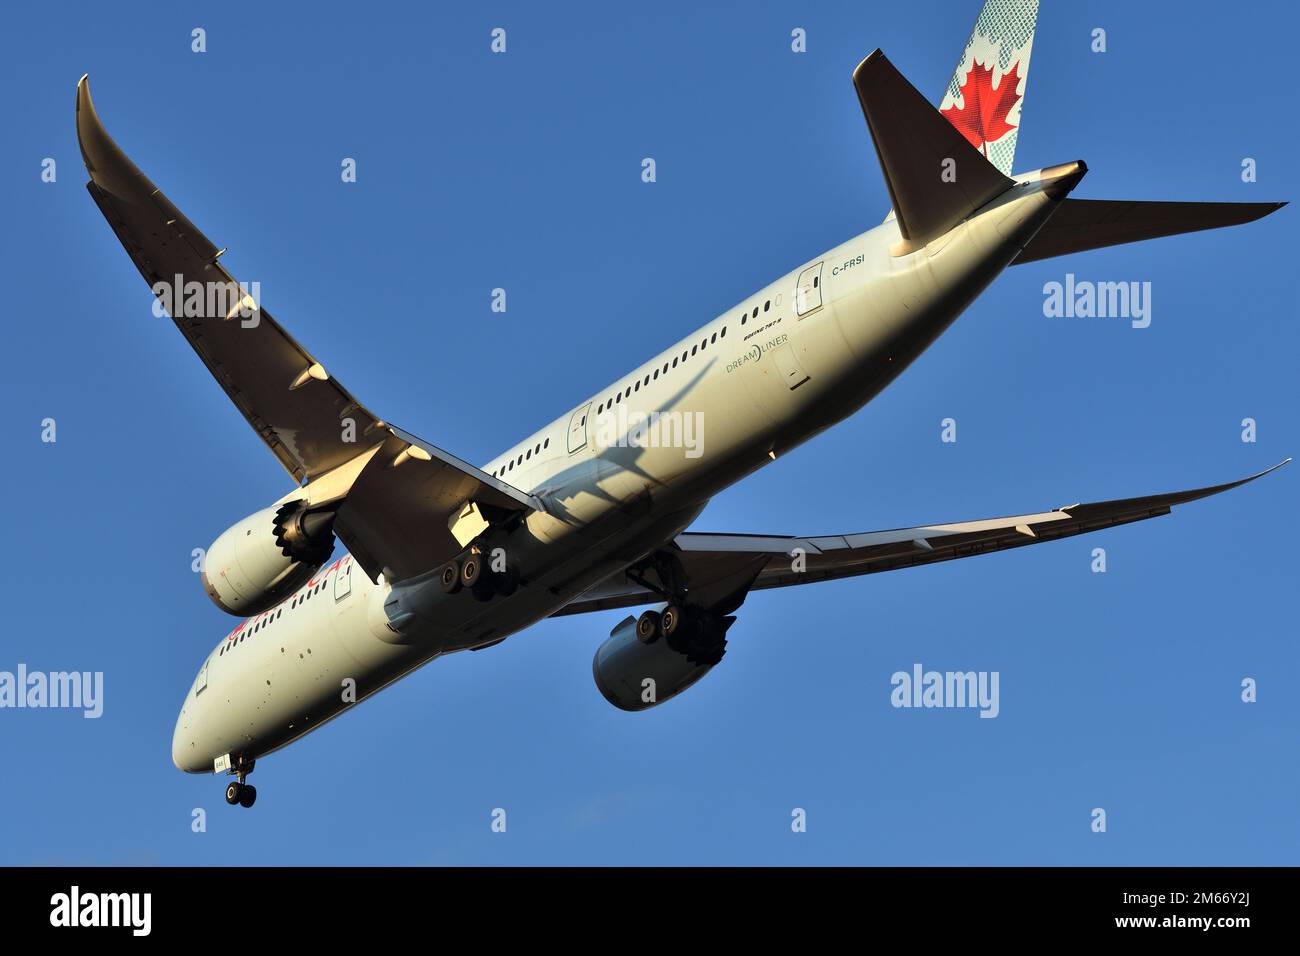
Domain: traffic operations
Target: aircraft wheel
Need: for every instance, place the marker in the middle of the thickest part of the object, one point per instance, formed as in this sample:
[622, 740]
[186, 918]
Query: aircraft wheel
[471, 571]
[671, 621]
[247, 796]
[449, 577]
[647, 627]
[234, 792]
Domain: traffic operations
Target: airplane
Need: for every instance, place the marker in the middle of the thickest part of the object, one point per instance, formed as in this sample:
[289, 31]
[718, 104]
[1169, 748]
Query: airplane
[590, 512]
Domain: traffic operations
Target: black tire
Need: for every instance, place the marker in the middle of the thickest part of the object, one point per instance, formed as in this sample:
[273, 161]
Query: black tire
[248, 796]
[648, 627]
[234, 791]
[449, 577]
[472, 570]
[670, 621]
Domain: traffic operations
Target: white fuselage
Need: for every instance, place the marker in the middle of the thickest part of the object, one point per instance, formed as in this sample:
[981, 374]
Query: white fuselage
[806, 355]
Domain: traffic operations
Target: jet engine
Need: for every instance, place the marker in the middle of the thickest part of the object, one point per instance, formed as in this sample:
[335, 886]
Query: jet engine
[650, 659]
[261, 560]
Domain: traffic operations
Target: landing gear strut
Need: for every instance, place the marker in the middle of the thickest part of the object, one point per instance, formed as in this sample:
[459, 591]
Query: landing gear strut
[237, 791]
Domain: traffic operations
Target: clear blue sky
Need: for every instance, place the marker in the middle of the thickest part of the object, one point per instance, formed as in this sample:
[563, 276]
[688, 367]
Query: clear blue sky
[476, 171]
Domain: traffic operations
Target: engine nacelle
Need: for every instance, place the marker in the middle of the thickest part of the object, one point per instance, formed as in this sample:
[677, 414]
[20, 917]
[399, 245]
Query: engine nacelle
[258, 562]
[636, 676]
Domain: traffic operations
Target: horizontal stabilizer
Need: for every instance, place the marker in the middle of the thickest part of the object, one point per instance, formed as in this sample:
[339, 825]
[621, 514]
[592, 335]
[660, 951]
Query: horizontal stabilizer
[1082, 224]
[936, 178]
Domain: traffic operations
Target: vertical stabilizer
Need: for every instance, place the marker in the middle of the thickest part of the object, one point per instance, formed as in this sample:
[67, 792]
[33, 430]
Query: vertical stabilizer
[984, 96]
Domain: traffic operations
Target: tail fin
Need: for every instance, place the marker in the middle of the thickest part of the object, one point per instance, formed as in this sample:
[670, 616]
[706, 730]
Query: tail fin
[936, 178]
[986, 91]
[1082, 224]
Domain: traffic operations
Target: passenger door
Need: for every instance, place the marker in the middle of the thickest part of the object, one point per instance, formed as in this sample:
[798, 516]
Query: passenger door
[343, 580]
[808, 291]
[578, 429]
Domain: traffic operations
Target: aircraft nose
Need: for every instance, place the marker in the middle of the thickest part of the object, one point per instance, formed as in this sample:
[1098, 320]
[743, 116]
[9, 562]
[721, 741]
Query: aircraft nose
[184, 756]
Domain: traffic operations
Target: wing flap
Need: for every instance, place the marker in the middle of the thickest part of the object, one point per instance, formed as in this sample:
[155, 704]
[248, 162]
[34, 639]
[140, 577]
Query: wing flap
[395, 518]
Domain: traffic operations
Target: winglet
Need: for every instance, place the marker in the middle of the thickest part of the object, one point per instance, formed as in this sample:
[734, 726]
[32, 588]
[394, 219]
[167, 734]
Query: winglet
[1183, 497]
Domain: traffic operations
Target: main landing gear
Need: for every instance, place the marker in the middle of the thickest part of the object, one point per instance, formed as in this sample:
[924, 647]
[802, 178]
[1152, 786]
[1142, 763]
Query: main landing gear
[237, 791]
[474, 572]
[698, 634]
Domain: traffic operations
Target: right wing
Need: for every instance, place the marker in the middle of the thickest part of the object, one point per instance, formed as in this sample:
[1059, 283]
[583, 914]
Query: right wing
[1083, 224]
[309, 421]
[396, 499]
[714, 563]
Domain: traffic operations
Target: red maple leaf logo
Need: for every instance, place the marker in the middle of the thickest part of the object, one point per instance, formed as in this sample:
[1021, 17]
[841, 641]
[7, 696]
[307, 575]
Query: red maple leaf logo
[983, 117]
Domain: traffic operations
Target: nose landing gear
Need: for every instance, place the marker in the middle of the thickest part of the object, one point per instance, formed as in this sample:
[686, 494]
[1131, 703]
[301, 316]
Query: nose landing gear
[237, 791]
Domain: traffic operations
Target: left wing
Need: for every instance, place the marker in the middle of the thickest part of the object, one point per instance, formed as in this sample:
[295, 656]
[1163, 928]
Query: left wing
[712, 563]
